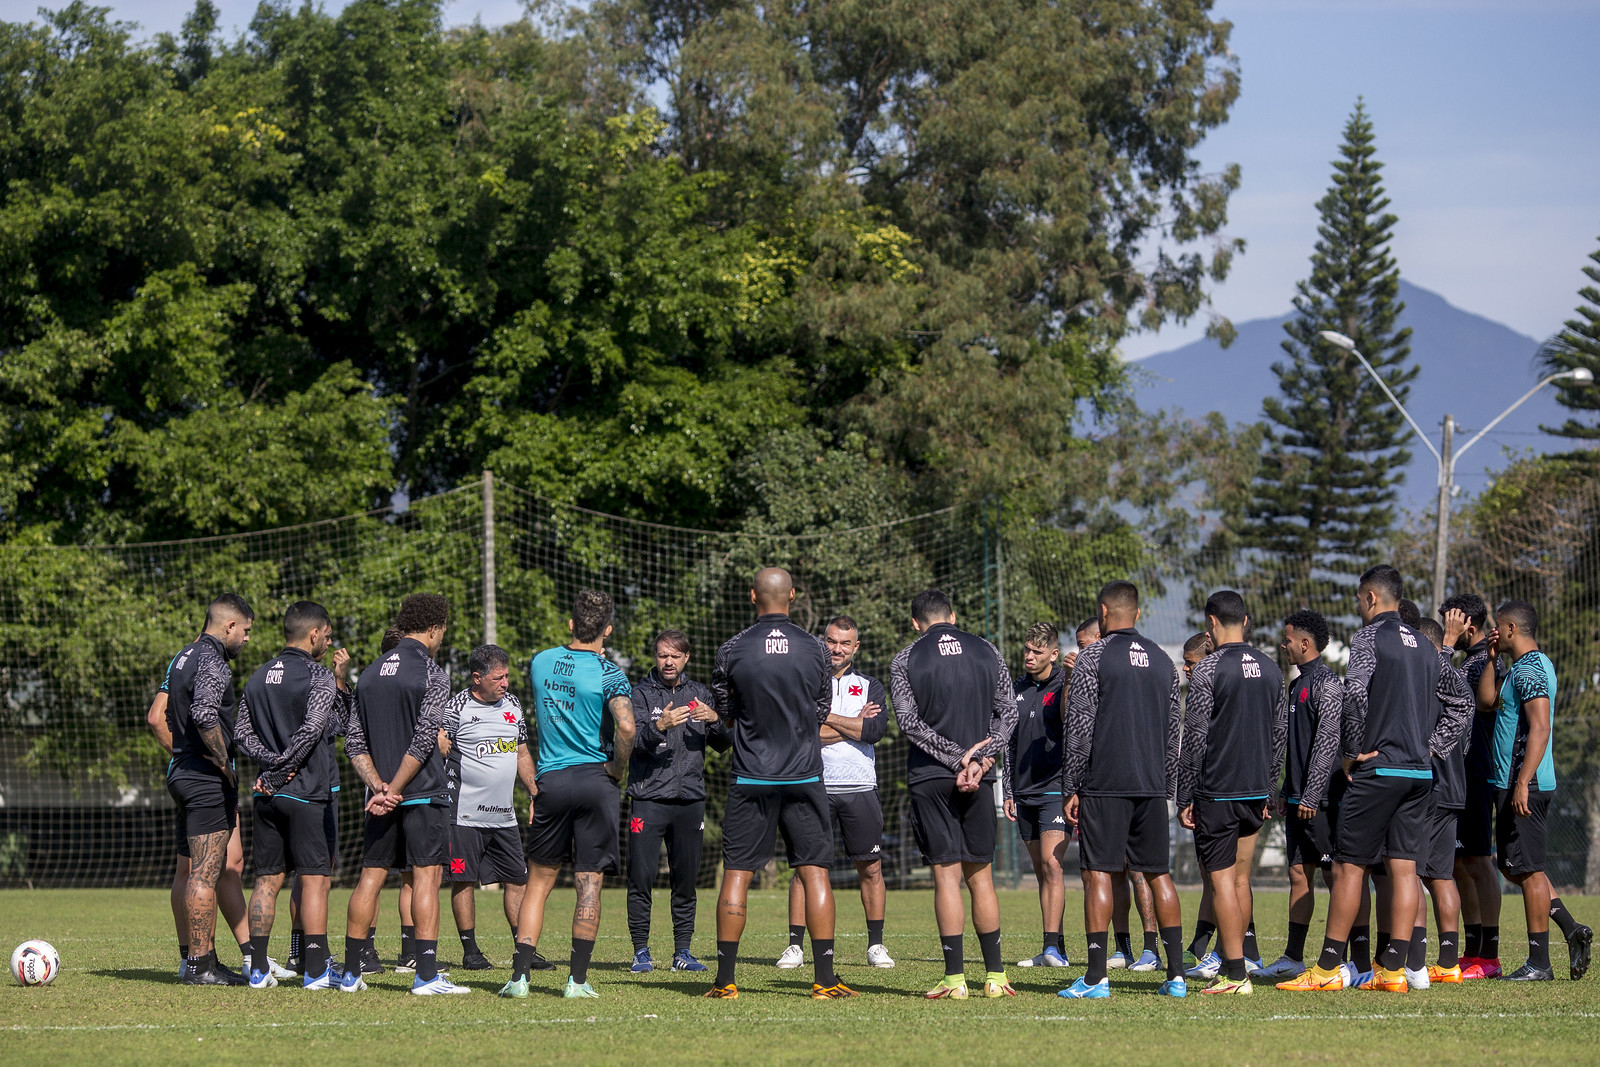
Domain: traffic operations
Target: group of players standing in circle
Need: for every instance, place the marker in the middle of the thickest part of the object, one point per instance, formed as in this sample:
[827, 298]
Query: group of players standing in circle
[1373, 774]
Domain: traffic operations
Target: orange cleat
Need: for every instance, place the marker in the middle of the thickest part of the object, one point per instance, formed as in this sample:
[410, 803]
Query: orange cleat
[723, 992]
[1388, 981]
[1450, 975]
[836, 991]
[1315, 980]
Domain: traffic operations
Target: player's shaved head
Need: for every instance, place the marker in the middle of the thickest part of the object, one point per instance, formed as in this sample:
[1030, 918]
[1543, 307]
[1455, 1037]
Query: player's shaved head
[772, 591]
[1383, 582]
[1119, 604]
[226, 607]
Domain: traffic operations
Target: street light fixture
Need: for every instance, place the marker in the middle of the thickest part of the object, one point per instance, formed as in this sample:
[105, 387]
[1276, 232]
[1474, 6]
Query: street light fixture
[1447, 458]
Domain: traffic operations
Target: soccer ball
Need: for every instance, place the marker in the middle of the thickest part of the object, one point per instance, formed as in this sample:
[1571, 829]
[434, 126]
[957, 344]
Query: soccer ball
[35, 963]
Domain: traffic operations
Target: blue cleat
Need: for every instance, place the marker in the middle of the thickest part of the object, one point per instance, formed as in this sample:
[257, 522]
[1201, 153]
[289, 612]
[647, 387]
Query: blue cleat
[1174, 987]
[1119, 959]
[328, 979]
[683, 961]
[642, 963]
[352, 982]
[1081, 990]
[1206, 967]
[1147, 961]
[262, 979]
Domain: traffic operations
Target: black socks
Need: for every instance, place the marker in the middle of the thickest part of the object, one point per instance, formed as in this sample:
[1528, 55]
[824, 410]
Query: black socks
[469, 941]
[1125, 943]
[1539, 950]
[1172, 941]
[822, 962]
[427, 958]
[1392, 956]
[727, 956]
[1417, 950]
[522, 961]
[296, 938]
[1361, 947]
[352, 954]
[582, 952]
[314, 962]
[256, 949]
[408, 942]
[1561, 917]
[1202, 937]
[1296, 948]
[1252, 951]
[1332, 954]
[1236, 971]
[1449, 949]
[954, 954]
[1097, 958]
[1152, 941]
[1473, 941]
[797, 935]
[993, 961]
[1490, 949]
[874, 932]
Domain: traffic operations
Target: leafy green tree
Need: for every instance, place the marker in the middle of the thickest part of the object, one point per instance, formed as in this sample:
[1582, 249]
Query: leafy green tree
[1578, 346]
[1323, 500]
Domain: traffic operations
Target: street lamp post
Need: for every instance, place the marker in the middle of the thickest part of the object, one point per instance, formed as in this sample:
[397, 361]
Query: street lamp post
[1448, 457]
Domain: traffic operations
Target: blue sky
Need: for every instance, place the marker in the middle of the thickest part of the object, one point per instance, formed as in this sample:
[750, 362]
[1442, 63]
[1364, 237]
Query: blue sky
[1485, 114]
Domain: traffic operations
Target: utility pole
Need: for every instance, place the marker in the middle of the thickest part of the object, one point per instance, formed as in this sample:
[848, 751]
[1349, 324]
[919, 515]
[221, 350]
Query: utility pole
[490, 628]
[1447, 477]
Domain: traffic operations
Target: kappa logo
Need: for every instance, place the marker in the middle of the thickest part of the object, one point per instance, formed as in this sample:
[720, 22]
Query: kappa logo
[876, 848]
[1057, 819]
[1135, 644]
[949, 646]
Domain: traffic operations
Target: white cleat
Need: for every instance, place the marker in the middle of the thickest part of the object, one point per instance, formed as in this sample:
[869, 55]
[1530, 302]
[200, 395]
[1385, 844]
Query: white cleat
[792, 957]
[1206, 967]
[1147, 961]
[279, 971]
[1417, 979]
[1118, 960]
[878, 956]
[352, 982]
[440, 985]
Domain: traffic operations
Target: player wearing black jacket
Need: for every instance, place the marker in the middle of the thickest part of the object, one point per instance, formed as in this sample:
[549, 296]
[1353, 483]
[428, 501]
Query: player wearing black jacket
[954, 702]
[1234, 733]
[1437, 866]
[1399, 708]
[284, 726]
[201, 776]
[1031, 775]
[393, 744]
[675, 722]
[1124, 716]
[773, 688]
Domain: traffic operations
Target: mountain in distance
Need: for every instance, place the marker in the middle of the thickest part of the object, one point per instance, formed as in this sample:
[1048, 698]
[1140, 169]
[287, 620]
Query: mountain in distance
[1471, 368]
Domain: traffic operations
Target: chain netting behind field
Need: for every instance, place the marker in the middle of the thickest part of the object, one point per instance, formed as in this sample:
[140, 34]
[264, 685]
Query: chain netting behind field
[85, 635]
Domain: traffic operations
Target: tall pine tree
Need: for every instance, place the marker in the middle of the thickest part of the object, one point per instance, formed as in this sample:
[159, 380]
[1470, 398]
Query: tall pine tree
[1578, 346]
[1323, 500]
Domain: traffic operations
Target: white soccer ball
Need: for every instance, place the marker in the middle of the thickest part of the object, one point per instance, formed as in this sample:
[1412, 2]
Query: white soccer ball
[35, 963]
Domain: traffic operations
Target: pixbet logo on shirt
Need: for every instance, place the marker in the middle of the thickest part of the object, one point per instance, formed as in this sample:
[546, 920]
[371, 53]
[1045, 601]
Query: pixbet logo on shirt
[777, 643]
[949, 646]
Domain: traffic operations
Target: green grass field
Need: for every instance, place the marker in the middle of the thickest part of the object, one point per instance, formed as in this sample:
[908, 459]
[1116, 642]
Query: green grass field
[118, 1001]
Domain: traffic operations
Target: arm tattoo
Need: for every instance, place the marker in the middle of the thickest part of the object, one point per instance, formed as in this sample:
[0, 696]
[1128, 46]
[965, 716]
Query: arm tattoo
[366, 771]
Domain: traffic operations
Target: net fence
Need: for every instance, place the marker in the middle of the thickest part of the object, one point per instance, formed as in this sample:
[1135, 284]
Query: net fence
[86, 633]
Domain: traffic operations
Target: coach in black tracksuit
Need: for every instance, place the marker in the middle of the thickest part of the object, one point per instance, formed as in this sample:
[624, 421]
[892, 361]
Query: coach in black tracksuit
[1399, 709]
[773, 689]
[1233, 739]
[954, 701]
[1124, 718]
[284, 726]
[675, 722]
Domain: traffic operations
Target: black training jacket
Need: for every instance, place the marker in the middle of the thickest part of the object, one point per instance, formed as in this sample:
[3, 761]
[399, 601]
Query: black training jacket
[1480, 742]
[1450, 768]
[773, 687]
[199, 696]
[1398, 702]
[283, 725]
[1032, 767]
[1124, 717]
[1235, 727]
[1316, 699]
[951, 690]
[400, 706]
[671, 764]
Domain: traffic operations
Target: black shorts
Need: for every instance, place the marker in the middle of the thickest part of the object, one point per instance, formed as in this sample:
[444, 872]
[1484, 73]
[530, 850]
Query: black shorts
[575, 818]
[483, 854]
[290, 835]
[1476, 827]
[1520, 840]
[1124, 832]
[1440, 862]
[1218, 825]
[860, 819]
[330, 827]
[205, 806]
[756, 813]
[1383, 817]
[412, 835]
[1308, 842]
[951, 826]
[1040, 816]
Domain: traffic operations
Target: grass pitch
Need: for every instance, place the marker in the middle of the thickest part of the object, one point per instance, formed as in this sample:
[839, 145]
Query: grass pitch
[118, 1001]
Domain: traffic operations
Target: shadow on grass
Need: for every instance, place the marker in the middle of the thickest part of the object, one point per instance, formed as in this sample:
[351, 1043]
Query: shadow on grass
[146, 974]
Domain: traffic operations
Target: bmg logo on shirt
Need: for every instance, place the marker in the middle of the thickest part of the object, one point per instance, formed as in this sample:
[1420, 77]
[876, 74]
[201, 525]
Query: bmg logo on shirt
[777, 644]
[949, 646]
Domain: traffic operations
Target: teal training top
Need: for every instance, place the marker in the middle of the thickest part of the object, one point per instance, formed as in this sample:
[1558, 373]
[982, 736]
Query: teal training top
[1532, 676]
[571, 689]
